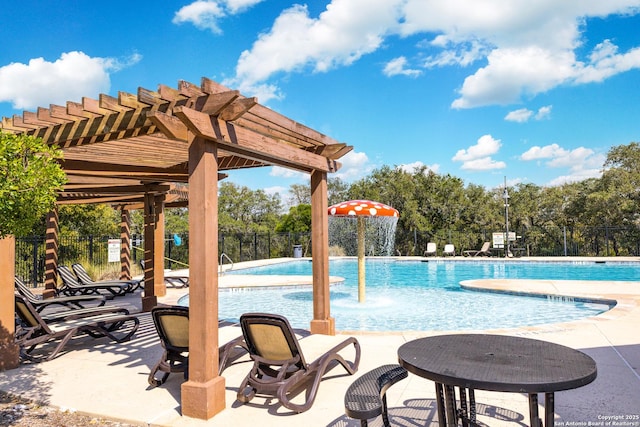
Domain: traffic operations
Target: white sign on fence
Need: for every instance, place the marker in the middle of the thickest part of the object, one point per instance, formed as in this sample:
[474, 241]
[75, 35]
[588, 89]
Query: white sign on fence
[114, 250]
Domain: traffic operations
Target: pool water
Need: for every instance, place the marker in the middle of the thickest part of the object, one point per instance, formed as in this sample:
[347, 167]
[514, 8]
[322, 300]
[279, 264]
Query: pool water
[414, 295]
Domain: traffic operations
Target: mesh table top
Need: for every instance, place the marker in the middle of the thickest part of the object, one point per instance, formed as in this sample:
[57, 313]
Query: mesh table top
[497, 363]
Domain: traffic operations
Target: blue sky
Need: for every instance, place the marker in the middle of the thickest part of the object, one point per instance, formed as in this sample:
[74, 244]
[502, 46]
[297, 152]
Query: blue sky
[532, 90]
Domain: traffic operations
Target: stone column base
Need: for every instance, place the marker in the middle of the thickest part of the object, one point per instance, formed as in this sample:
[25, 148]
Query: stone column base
[325, 327]
[203, 400]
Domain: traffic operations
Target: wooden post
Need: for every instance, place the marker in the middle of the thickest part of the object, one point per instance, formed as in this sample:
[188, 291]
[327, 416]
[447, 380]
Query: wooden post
[160, 288]
[322, 322]
[149, 300]
[51, 255]
[203, 395]
[125, 244]
[9, 351]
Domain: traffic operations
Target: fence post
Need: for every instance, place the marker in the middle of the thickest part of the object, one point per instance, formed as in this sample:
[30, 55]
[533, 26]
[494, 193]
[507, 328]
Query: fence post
[91, 249]
[255, 245]
[34, 271]
[268, 244]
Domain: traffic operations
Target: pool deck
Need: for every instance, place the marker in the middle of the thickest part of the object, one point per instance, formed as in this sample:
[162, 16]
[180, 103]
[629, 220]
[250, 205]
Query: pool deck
[110, 380]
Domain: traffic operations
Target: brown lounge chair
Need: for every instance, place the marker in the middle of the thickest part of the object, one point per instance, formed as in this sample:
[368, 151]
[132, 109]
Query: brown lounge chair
[484, 251]
[85, 279]
[279, 366]
[40, 304]
[172, 325]
[72, 286]
[32, 330]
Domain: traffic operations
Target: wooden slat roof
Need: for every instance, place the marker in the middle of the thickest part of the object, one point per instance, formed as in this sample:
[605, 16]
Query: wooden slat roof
[116, 149]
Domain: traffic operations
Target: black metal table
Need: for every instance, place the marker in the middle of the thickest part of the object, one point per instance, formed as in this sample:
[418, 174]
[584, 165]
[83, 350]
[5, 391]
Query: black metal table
[495, 363]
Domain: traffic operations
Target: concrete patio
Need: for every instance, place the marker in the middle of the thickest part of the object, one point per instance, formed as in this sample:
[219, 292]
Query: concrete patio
[110, 380]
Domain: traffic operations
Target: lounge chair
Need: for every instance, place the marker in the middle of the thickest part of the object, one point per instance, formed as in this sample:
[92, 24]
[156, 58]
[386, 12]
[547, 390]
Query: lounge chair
[431, 249]
[484, 251]
[174, 281]
[172, 325]
[72, 286]
[449, 250]
[279, 365]
[32, 330]
[69, 302]
[85, 279]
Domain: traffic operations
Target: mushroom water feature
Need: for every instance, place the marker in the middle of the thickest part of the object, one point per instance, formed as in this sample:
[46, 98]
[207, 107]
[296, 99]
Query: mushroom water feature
[382, 216]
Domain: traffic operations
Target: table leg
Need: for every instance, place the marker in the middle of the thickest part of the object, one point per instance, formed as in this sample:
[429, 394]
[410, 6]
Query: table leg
[464, 414]
[549, 409]
[472, 405]
[450, 405]
[442, 416]
[533, 411]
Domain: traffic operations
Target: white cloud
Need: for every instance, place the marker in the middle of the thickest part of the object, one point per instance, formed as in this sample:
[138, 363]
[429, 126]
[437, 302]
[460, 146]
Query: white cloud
[482, 164]
[345, 31]
[478, 157]
[354, 166]
[546, 152]
[543, 112]
[413, 167]
[69, 78]
[523, 115]
[205, 14]
[287, 173]
[581, 162]
[486, 146]
[463, 54]
[524, 48]
[580, 175]
[398, 66]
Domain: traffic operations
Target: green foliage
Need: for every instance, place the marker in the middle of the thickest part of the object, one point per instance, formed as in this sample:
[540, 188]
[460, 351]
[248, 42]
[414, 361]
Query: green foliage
[243, 210]
[30, 176]
[89, 220]
[298, 220]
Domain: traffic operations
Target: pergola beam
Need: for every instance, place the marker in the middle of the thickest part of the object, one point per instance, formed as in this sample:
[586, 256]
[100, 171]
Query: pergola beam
[246, 143]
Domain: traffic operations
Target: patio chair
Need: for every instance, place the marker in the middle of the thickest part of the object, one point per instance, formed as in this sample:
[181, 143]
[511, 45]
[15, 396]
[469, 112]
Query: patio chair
[67, 302]
[32, 330]
[85, 279]
[431, 249]
[279, 365]
[72, 286]
[449, 250]
[484, 251]
[172, 325]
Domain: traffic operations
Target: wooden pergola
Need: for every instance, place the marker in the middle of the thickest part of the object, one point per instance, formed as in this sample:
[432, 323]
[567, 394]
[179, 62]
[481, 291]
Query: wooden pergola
[159, 148]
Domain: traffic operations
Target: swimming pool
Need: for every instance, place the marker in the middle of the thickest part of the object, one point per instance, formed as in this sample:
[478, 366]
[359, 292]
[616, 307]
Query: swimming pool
[414, 295]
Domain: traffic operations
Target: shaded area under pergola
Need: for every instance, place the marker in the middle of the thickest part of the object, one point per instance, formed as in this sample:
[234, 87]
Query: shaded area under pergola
[158, 149]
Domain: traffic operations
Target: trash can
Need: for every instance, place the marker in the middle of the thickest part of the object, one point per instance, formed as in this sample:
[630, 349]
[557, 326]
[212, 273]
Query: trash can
[297, 251]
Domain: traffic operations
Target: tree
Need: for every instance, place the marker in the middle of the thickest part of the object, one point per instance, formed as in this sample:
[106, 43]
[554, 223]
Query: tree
[30, 176]
[298, 220]
[242, 210]
[89, 220]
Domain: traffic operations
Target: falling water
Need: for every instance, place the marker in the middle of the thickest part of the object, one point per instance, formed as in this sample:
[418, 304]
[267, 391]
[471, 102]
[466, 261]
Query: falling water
[380, 234]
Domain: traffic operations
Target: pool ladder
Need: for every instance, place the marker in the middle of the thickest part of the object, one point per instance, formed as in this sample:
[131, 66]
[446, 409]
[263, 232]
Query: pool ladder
[224, 256]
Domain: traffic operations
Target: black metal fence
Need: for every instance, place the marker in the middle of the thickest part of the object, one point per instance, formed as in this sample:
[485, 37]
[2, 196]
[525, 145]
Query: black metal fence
[92, 250]
[237, 247]
[534, 241]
